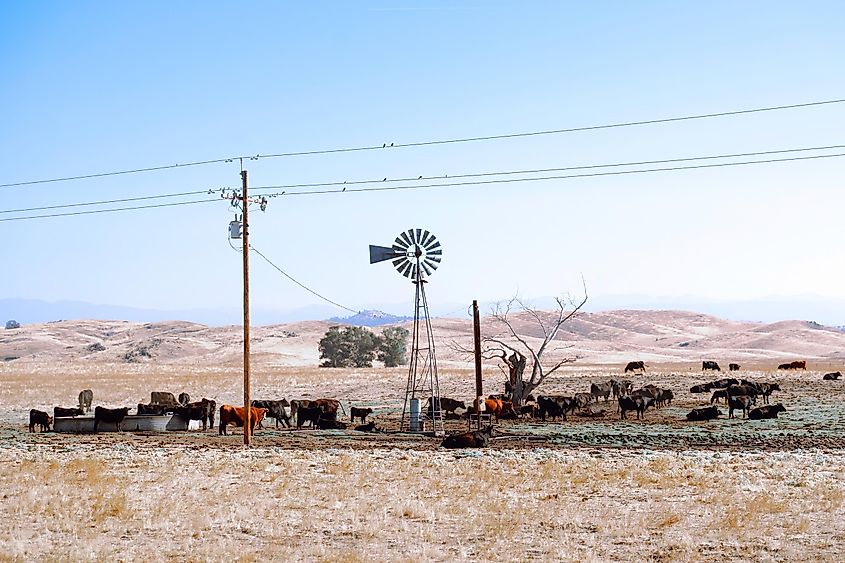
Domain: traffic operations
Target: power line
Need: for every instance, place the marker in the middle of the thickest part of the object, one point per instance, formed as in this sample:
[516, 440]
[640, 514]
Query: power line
[92, 211]
[543, 170]
[426, 143]
[116, 173]
[106, 201]
[303, 286]
[458, 184]
[559, 177]
[454, 176]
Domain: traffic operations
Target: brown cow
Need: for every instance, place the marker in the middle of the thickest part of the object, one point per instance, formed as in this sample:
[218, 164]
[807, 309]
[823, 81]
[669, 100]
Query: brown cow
[477, 439]
[235, 415]
[500, 409]
[741, 402]
[582, 399]
[162, 398]
[601, 390]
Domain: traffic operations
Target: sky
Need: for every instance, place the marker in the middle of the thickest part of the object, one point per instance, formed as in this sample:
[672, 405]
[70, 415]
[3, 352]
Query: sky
[94, 87]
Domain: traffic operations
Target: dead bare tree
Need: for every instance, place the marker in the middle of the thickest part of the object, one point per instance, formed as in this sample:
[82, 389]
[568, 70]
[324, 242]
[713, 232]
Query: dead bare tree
[512, 348]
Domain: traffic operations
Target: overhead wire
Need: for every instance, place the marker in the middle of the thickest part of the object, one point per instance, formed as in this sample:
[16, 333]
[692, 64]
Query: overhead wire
[107, 201]
[112, 210]
[458, 184]
[547, 178]
[419, 178]
[425, 143]
[543, 170]
[300, 284]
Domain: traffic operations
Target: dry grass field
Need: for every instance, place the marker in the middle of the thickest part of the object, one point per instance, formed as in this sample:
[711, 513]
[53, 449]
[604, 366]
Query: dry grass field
[585, 489]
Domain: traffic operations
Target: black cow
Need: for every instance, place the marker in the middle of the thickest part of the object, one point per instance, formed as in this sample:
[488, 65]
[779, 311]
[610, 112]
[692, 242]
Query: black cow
[723, 383]
[620, 387]
[719, 394]
[634, 366]
[154, 409]
[369, 427]
[701, 388]
[362, 413]
[531, 410]
[768, 411]
[326, 423]
[275, 409]
[310, 415]
[710, 365]
[638, 404]
[59, 412]
[200, 410]
[450, 405]
[41, 418]
[555, 406]
[184, 398]
[86, 397]
[733, 367]
[832, 376]
[476, 439]
[114, 416]
[766, 390]
[665, 397]
[708, 413]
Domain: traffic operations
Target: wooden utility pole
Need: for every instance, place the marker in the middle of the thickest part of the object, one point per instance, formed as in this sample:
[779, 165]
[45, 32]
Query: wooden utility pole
[476, 337]
[247, 409]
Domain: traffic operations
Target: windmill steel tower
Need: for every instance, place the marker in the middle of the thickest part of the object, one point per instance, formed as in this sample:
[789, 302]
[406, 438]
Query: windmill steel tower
[416, 254]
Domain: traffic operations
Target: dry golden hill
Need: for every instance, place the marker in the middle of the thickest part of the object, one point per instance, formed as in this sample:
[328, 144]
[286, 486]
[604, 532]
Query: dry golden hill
[606, 337]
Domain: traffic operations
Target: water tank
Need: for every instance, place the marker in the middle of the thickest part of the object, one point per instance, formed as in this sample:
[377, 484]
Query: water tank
[414, 421]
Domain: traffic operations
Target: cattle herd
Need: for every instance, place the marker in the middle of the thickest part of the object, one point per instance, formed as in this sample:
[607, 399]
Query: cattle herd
[319, 414]
[737, 394]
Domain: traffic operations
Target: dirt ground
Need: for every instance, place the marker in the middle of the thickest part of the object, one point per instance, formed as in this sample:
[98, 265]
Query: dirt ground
[593, 488]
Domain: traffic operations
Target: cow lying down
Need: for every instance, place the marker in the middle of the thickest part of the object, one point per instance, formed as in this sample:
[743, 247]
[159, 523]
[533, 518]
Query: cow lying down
[476, 439]
[767, 411]
[708, 413]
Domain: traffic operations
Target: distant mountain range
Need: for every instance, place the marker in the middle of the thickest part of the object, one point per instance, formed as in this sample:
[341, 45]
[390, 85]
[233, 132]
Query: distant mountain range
[825, 311]
[370, 318]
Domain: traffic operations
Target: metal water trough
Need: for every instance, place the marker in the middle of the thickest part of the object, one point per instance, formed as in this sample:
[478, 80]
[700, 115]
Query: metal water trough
[132, 423]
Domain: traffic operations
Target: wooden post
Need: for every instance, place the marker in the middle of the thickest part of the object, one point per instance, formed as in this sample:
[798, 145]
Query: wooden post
[476, 336]
[247, 410]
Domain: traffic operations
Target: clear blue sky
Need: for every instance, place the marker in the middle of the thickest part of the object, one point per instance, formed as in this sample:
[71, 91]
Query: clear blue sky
[90, 87]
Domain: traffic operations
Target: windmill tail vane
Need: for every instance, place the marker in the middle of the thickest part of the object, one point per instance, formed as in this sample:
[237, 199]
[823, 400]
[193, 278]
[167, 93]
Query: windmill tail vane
[415, 253]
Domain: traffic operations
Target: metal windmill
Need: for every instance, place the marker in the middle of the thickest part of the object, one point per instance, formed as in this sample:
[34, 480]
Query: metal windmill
[416, 254]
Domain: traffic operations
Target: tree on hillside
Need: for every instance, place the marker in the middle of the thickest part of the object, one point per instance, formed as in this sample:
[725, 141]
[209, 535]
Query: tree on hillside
[353, 346]
[394, 345]
[512, 347]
